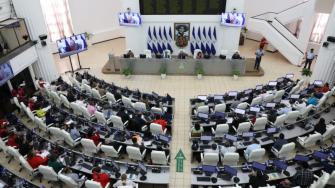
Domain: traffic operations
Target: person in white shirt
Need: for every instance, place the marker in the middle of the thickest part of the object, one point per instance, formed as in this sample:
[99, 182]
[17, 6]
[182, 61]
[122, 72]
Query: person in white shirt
[284, 109]
[299, 105]
[309, 58]
[124, 182]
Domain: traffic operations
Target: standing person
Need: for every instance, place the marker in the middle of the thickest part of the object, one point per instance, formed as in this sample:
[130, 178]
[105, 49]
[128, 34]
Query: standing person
[309, 58]
[259, 53]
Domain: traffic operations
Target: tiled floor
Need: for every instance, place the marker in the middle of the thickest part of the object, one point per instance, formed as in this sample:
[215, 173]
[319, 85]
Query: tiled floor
[182, 88]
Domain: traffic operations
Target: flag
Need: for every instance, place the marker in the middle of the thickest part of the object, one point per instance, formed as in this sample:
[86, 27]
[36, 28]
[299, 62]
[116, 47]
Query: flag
[214, 33]
[154, 32]
[84, 41]
[170, 33]
[193, 33]
[149, 47]
[160, 33]
[210, 33]
[204, 32]
[203, 48]
[149, 33]
[160, 50]
[163, 46]
[169, 47]
[213, 49]
[154, 48]
[197, 46]
[208, 49]
[164, 33]
[199, 33]
[192, 48]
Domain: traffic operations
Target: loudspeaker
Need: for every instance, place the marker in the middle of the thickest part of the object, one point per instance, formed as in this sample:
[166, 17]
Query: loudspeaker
[325, 44]
[331, 39]
[159, 56]
[143, 56]
[206, 56]
[222, 57]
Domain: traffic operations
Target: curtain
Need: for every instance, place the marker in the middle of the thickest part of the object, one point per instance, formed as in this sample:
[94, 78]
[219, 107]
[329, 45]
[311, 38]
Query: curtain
[58, 19]
[319, 27]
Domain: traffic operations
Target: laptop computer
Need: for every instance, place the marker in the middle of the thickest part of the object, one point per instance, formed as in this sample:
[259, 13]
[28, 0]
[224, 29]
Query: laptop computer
[202, 97]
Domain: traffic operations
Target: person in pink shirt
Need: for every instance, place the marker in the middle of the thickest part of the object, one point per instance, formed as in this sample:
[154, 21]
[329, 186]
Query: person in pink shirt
[91, 108]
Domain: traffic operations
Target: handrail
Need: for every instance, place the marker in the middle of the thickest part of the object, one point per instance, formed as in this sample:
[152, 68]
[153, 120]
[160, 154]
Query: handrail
[282, 10]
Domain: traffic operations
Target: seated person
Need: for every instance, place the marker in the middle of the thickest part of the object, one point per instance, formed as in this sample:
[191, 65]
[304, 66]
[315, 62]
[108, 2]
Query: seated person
[299, 105]
[272, 116]
[159, 120]
[41, 82]
[321, 126]
[75, 177]
[91, 134]
[130, 54]
[284, 109]
[3, 128]
[101, 91]
[199, 55]
[136, 123]
[303, 178]
[280, 142]
[31, 104]
[13, 140]
[91, 108]
[71, 97]
[123, 115]
[124, 182]
[137, 140]
[36, 160]
[49, 119]
[54, 164]
[74, 133]
[251, 147]
[101, 177]
[257, 179]
[312, 100]
[321, 90]
[197, 130]
[236, 55]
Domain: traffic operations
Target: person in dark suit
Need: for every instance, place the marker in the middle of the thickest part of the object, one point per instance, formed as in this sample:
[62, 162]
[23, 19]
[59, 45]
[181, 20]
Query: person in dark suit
[280, 142]
[257, 179]
[123, 115]
[321, 126]
[136, 123]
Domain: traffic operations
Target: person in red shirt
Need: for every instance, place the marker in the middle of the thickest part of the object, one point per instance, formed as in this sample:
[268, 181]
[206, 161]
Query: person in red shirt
[14, 93]
[31, 104]
[93, 136]
[3, 128]
[263, 42]
[102, 178]
[323, 89]
[159, 120]
[13, 140]
[35, 160]
[21, 93]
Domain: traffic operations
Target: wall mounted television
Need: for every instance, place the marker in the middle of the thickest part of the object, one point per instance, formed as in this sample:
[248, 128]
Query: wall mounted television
[130, 19]
[233, 19]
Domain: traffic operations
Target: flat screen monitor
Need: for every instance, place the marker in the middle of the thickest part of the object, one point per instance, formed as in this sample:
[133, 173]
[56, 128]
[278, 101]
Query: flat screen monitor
[142, 167]
[230, 170]
[164, 138]
[295, 96]
[202, 115]
[281, 165]
[248, 134]
[209, 169]
[202, 97]
[205, 138]
[130, 19]
[6, 73]
[239, 111]
[318, 82]
[218, 97]
[259, 87]
[271, 130]
[272, 83]
[232, 93]
[255, 109]
[320, 155]
[233, 19]
[248, 91]
[301, 158]
[71, 45]
[258, 166]
[231, 137]
[291, 75]
[270, 105]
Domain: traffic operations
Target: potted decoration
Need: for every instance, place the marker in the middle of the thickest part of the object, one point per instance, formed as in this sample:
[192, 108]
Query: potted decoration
[162, 71]
[306, 74]
[88, 37]
[127, 72]
[236, 74]
[200, 72]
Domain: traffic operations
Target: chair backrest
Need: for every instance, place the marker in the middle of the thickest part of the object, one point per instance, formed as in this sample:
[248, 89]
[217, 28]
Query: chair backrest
[279, 95]
[287, 148]
[280, 120]
[230, 158]
[92, 184]
[96, 94]
[268, 98]
[30, 114]
[256, 155]
[109, 151]
[140, 106]
[13, 152]
[117, 122]
[85, 112]
[147, 53]
[331, 180]
[158, 157]
[110, 97]
[211, 159]
[243, 105]
[40, 123]
[203, 109]
[3, 145]
[256, 101]
[292, 116]
[56, 132]
[304, 113]
[75, 107]
[294, 89]
[127, 102]
[332, 91]
[67, 138]
[65, 101]
[67, 180]
[312, 139]
[16, 101]
[156, 110]
[48, 173]
[26, 165]
[87, 88]
[322, 181]
[88, 144]
[156, 129]
[100, 117]
[196, 51]
[260, 123]
[24, 107]
[243, 127]
[330, 132]
[221, 130]
[134, 153]
[322, 101]
[220, 107]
